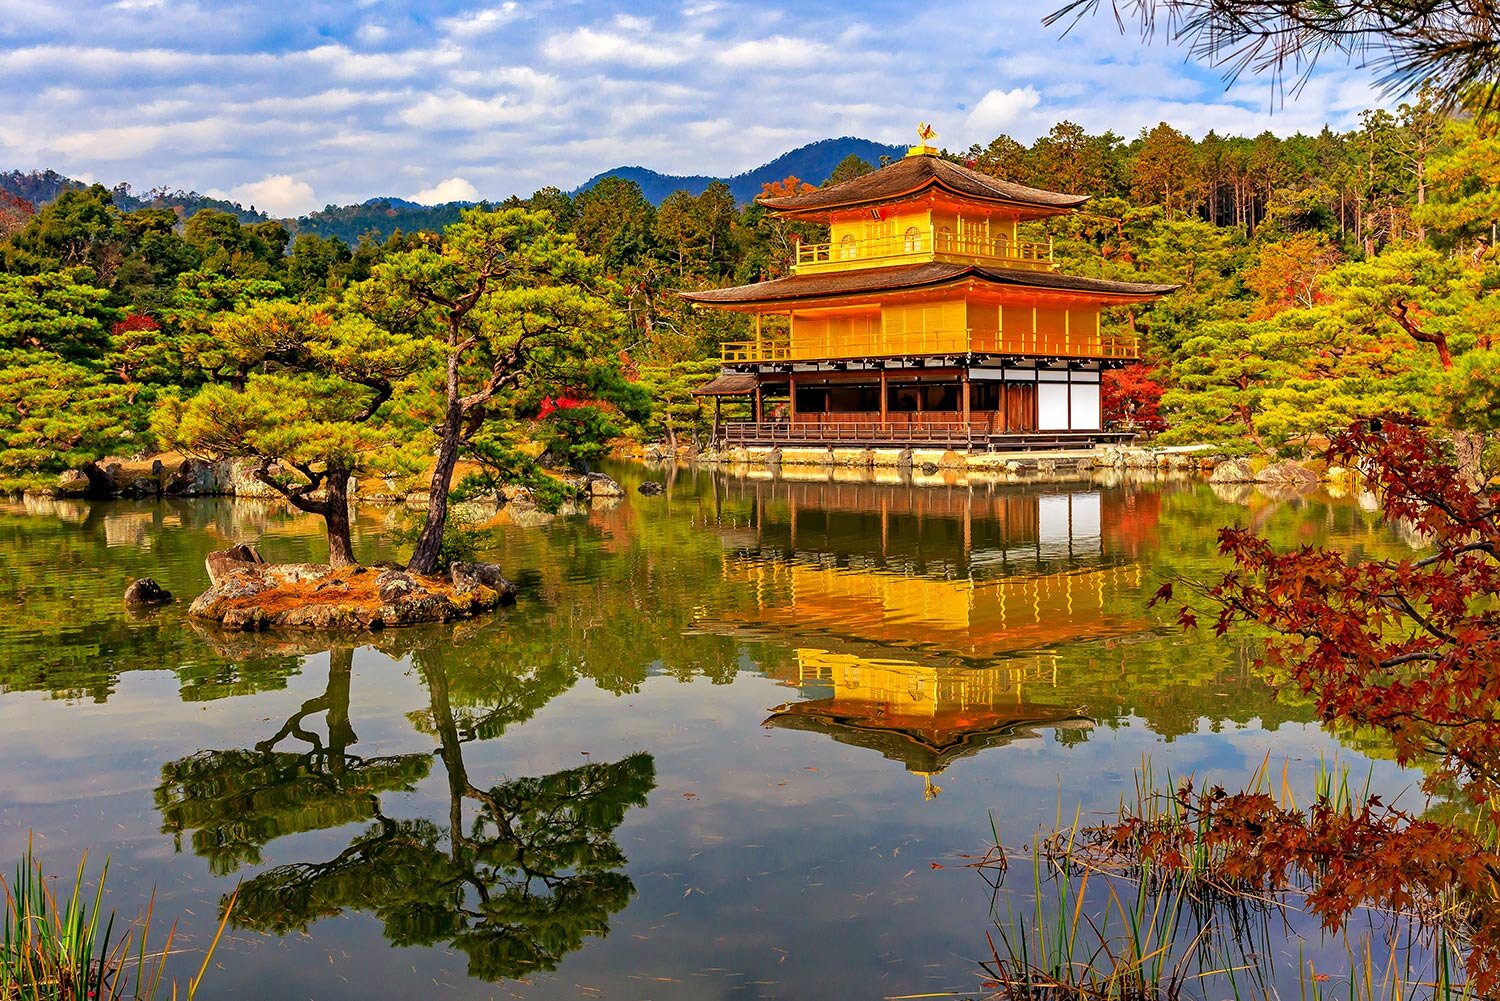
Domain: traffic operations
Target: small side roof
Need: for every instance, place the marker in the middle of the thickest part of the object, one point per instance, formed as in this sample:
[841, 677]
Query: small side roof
[915, 276]
[728, 384]
[914, 174]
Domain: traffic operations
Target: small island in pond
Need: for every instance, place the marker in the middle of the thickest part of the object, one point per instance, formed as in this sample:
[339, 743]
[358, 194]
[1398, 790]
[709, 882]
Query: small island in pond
[249, 594]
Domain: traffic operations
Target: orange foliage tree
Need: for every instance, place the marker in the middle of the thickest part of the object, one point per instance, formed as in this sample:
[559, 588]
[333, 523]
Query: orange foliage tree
[1409, 647]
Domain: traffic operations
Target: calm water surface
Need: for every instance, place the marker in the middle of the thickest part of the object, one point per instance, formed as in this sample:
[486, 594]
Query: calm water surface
[731, 742]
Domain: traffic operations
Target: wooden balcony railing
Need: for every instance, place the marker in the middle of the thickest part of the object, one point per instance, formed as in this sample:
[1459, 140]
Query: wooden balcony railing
[1121, 346]
[985, 432]
[924, 245]
[743, 351]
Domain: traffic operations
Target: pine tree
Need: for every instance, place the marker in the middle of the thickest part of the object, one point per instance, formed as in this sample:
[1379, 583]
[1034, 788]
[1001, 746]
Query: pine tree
[313, 411]
[517, 308]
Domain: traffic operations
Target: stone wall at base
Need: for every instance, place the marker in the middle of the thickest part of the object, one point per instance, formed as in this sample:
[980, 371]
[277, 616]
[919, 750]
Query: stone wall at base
[1061, 465]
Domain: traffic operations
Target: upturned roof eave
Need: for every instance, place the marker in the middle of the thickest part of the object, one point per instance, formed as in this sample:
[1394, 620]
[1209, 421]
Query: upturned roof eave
[710, 297]
[787, 207]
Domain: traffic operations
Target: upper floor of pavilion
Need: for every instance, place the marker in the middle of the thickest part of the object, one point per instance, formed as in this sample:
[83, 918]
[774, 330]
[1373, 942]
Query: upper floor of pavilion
[923, 209]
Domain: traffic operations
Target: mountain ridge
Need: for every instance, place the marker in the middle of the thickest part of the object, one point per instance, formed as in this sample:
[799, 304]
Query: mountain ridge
[383, 214]
[812, 163]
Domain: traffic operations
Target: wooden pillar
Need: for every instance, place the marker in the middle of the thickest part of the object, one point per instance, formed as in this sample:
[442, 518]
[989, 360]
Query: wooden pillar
[884, 401]
[1004, 403]
[718, 401]
[964, 393]
[1069, 384]
[759, 406]
[791, 392]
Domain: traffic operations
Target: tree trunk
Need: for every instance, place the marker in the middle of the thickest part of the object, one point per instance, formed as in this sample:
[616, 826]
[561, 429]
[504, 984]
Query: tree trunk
[424, 558]
[333, 509]
[1468, 454]
[1401, 313]
[336, 516]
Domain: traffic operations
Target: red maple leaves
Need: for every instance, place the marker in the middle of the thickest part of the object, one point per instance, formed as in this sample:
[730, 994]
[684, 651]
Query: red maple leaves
[1409, 647]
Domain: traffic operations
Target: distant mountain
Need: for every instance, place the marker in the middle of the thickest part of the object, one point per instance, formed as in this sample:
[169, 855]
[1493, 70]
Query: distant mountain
[40, 187]
[811, 163]
[379, 217]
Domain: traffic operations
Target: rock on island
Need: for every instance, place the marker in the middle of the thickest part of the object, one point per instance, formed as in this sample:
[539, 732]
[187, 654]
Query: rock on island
[249, 594]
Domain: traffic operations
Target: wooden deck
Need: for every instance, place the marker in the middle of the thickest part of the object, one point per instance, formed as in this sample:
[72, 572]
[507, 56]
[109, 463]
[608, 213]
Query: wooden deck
[974, 437]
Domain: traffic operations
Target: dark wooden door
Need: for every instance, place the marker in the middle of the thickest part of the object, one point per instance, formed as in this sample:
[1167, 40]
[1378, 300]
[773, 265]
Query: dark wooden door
[1020, 406]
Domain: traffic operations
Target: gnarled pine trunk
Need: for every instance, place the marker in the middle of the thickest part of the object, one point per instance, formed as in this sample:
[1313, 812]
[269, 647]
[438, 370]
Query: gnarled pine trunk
[333, 508]
[424, 558]
[336, 516]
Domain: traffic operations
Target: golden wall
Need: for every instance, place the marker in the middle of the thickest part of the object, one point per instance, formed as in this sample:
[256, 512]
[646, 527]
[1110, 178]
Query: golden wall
[951, 326]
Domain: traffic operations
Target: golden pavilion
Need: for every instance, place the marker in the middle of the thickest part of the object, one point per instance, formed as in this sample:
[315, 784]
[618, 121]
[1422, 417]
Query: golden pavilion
[924, 320]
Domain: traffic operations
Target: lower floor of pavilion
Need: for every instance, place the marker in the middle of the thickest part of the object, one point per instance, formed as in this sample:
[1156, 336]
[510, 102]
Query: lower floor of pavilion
[962, 404]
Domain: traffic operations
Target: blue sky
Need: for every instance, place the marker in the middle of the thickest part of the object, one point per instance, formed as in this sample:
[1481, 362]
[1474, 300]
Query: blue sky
[292, 104]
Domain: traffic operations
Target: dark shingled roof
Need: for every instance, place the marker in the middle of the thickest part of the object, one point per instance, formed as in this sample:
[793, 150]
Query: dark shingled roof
[914, 276]
[914, 174]
[728, 384]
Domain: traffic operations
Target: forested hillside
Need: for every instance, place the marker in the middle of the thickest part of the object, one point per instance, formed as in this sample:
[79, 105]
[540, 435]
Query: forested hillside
[1323, 277]
[39, 187]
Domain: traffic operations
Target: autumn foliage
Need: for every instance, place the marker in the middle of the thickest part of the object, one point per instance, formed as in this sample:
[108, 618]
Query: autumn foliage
[1408, 647]
[1411, 646]
[1131, 397]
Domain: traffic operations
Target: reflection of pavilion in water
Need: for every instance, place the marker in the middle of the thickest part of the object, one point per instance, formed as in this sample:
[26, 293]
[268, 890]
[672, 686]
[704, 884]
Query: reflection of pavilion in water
[922, 619]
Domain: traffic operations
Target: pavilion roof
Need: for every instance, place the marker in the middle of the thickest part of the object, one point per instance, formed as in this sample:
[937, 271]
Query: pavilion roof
[913, 175]
[728, 384]
[917, 276]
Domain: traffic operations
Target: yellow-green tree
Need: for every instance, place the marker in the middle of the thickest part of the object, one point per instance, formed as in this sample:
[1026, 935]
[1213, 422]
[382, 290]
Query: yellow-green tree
[314, 411]
[518, 313]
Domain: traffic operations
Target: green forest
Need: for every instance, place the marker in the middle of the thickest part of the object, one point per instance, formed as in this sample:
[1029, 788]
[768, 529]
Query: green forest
[1322, 277]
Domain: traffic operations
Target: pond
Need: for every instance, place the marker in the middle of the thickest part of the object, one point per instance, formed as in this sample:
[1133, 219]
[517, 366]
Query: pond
[738, 740]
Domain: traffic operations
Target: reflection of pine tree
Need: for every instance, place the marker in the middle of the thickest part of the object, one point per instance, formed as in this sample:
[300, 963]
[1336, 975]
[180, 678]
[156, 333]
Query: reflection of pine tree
[539, 862]
[520, 875]
[236, 801]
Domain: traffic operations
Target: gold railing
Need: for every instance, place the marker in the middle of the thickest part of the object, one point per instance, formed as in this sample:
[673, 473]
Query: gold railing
[755, 350]
[1123, 346]
[924, 244]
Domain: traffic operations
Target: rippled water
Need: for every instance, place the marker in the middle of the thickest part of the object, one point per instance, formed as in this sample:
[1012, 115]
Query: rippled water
[732, 741]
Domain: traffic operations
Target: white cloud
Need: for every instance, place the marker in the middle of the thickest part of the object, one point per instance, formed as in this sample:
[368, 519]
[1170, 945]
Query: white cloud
[371, 33]
[473, 23]
[451, 111]
[454, 189]
[1000, 110]
[589, 46]
[776, 52]
[279, 195]
[508, 95]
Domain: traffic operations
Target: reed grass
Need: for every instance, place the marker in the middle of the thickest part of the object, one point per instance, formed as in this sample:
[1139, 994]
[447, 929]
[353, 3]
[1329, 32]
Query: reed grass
[1103, 924]
[54, 948]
